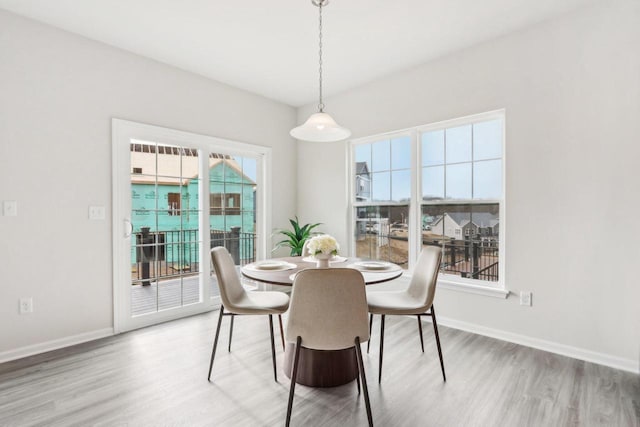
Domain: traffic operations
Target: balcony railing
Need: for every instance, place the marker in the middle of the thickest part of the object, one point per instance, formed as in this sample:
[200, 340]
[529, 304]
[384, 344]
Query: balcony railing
[474, 258]
[174, 253]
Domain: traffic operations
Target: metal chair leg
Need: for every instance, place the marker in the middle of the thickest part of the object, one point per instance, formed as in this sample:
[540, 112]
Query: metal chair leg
[420, 330]
[233, 316]
[294, 376]
[215, 342]
[357, 377]
[435, 330]
[281, 330]
[370, 326]
[364, 380]
[381, 347]
[273, 348]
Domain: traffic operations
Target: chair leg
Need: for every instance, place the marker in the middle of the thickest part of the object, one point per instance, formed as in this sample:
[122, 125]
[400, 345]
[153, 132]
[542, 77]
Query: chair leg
[294, 376]
[281, 330]
[273, 348]
[215, 342]
[233, 316]
[435, 330]
[357, 377]
[381, 347]
[370, 326]
[364, 380]
[420, 331]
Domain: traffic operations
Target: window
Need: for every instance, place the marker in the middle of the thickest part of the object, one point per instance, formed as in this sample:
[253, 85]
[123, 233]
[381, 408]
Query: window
[383, 192]
[449, 193]
[225, 204]
[173, 201]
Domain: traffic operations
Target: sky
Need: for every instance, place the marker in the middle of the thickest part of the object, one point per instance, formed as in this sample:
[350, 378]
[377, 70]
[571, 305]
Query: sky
[456, 163]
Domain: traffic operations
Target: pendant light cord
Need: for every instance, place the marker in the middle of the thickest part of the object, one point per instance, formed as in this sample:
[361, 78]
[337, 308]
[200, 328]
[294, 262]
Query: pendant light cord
[321, 104]
[320, 126]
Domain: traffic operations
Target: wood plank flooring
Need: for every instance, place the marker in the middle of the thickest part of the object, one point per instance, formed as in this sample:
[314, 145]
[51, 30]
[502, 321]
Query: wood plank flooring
[157, 377]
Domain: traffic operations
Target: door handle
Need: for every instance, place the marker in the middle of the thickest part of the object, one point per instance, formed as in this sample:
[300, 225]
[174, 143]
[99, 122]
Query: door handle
[128, 228]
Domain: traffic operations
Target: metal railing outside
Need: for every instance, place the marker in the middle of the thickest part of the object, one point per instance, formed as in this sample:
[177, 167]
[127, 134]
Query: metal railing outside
[168, 254]
[473, 258]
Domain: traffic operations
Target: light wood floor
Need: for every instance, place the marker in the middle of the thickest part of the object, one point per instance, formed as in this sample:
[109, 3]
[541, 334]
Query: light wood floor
[157, 377]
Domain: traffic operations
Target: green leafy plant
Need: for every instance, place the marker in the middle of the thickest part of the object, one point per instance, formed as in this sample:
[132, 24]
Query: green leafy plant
[296, 237]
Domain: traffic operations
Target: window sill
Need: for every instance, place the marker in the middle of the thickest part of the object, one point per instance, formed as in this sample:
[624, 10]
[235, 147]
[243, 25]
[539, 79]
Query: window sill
[461, 287]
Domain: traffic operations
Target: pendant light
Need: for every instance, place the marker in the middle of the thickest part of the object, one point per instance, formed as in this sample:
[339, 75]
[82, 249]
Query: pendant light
[320, 126]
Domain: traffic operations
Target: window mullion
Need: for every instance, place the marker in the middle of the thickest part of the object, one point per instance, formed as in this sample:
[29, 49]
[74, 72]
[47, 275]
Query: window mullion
[205, 234]
[415, 216]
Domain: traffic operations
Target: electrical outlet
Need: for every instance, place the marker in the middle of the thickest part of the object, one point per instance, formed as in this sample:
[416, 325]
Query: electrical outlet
[10, 208]
[525, 298]
[26, 305]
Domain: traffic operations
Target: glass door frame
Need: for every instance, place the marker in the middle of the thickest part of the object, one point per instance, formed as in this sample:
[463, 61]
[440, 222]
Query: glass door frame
[123, 132]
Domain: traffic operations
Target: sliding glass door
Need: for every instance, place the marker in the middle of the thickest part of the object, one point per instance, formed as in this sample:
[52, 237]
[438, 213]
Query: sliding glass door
[166, 238]
[177, 195]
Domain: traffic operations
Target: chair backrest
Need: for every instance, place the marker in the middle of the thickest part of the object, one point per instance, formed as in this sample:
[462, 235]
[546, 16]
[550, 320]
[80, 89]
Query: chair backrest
[231, 290]
[425, 275]
[305, 249]
[328, 309]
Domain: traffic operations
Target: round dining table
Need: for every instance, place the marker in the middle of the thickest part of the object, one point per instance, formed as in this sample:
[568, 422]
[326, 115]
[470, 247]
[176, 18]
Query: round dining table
[319, 368]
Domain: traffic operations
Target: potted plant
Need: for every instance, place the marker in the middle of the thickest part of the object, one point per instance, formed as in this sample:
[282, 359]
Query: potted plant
[296, 237]
[323, 248]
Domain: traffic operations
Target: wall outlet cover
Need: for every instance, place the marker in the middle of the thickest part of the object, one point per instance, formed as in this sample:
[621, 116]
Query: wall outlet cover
[525, 298]
[26, 305]
[10, 208]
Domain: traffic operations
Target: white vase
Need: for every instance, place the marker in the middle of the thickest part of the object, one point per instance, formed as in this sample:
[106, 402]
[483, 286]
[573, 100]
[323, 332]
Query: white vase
[322, 260]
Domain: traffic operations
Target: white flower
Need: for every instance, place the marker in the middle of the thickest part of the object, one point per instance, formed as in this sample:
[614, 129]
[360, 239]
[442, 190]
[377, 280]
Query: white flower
[323, 244]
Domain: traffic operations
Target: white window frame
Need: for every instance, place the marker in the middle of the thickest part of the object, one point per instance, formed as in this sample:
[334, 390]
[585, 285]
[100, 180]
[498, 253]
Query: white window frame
[447, 281]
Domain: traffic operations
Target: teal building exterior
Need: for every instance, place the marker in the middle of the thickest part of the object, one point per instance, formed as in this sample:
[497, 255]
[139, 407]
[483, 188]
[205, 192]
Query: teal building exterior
[169, 209]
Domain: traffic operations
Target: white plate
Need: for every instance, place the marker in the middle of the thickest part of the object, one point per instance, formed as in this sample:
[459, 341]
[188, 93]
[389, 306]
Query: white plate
[373, 265]
[271, 265]
[336, 258]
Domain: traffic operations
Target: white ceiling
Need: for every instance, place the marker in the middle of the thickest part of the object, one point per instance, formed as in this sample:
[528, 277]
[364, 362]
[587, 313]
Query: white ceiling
[271, 47]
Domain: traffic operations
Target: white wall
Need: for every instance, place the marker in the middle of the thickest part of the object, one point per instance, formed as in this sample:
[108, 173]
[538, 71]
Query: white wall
[571, 90]
[58, 93]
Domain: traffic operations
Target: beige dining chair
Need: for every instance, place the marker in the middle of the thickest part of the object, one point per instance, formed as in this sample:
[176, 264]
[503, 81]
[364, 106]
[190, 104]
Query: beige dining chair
[416, 299]
[305, 249]
[237, 301]
[328, 312]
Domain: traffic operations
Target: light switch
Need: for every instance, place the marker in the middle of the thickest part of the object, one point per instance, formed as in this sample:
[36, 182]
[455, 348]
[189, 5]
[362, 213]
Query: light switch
[96, 212]
[10, 208]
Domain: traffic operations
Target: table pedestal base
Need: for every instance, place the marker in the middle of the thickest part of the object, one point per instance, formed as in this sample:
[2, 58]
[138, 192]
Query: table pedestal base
[322, 368]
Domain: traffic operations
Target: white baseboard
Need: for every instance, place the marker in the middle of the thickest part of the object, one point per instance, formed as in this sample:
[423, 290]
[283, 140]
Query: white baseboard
[629, 365]
[30, 350]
